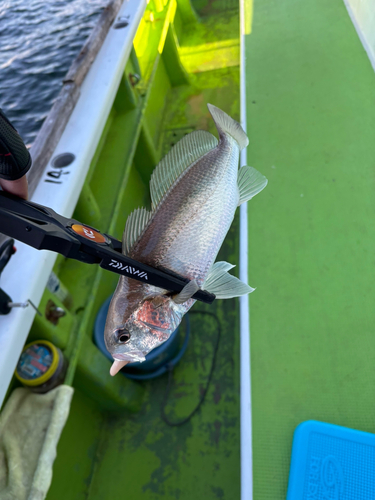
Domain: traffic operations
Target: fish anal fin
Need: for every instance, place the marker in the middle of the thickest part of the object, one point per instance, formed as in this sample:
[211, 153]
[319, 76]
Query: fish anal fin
[250, 182]
[222, 284]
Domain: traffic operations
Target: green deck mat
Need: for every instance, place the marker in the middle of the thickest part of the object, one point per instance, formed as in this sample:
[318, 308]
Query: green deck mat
[311, 123]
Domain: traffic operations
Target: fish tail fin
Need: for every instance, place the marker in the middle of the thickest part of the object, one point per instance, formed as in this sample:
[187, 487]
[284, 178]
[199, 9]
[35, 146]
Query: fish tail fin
[225, 124]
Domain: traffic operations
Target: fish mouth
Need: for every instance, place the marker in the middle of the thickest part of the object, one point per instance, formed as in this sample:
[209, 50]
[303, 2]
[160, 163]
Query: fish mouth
[131, 356]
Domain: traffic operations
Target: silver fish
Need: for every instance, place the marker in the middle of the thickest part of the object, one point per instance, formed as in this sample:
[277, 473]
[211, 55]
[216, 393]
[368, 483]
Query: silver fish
[195, 190]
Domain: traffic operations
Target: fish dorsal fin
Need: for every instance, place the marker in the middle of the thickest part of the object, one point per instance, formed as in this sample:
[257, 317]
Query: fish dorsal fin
[135, 224]
[250, 182]
[224, 285]
[188, 150]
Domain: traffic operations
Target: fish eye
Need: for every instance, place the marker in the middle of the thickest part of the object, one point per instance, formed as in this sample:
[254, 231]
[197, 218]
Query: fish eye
[121, 335]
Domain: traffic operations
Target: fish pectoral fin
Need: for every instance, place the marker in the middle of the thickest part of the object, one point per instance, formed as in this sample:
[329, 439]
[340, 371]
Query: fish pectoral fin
[224, 285]
[183, 154]
[186, 293]
[250, 182]
[135, 224]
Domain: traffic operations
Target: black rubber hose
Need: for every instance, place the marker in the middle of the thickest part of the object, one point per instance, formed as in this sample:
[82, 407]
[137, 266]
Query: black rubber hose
[170, 378]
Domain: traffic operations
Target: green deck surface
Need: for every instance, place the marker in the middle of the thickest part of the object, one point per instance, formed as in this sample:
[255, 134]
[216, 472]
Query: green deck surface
[311, 123]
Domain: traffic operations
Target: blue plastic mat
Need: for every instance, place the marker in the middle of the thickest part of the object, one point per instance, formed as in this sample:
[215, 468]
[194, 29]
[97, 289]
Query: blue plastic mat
[330, 462]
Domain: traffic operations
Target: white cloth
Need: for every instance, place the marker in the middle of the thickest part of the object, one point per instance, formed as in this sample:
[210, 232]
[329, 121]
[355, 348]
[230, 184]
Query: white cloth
[30, 428]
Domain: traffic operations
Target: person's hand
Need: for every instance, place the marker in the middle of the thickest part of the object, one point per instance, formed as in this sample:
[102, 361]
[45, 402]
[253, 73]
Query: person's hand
[17, 187]
[15, 160]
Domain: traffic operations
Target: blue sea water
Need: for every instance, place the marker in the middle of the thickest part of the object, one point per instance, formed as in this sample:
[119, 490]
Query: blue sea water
[38, 42]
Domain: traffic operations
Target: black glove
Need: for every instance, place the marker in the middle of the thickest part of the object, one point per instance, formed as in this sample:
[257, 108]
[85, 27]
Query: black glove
[15, 160]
